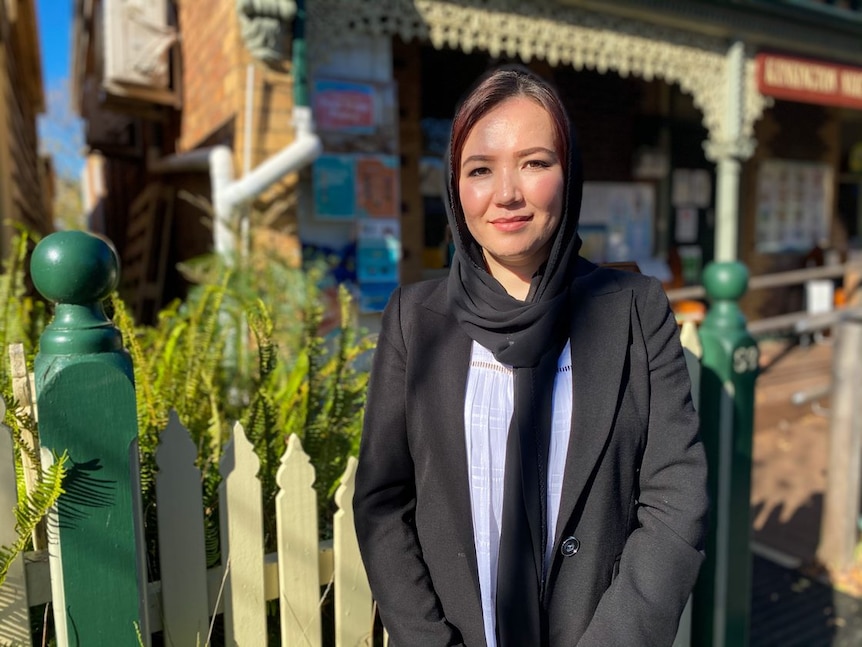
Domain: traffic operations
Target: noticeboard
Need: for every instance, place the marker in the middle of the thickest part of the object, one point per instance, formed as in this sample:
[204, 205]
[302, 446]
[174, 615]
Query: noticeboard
[793, 205]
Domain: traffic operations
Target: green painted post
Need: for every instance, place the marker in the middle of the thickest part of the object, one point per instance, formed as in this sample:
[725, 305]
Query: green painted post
[300, 68]
[729, 369]
[86, 402]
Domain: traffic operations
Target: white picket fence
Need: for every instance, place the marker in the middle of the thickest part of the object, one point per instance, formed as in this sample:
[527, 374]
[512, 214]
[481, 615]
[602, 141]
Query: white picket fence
[182, 604]
[188, 596]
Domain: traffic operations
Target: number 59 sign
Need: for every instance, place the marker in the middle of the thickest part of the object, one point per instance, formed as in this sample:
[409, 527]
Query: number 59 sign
[745, 359]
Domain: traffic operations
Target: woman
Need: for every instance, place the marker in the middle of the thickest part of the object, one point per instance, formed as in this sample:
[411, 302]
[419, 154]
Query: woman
[530, 472]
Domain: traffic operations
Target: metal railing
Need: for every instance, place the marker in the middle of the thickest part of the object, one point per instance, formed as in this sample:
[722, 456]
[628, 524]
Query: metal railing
[797, 322]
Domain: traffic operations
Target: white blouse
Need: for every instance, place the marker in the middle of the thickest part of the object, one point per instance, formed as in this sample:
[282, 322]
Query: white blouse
[487, 413]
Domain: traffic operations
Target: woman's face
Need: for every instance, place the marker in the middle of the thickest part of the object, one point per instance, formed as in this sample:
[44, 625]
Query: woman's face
[511, 185]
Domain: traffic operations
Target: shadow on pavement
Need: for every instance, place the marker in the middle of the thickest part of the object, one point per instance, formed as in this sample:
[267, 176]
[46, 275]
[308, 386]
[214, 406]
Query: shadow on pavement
[798, 606]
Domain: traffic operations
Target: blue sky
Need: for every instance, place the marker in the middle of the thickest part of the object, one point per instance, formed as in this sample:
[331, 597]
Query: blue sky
[60, 131]
[55, 34]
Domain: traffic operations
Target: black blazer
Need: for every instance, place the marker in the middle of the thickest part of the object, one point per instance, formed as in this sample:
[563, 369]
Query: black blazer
[634, 492]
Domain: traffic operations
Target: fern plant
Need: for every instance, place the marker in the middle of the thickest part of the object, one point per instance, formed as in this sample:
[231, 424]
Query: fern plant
[22, 316]
[246, 346]
[22, 319]
[31, 509]
[318, 395]
[34, 506]
[177, 366]
[325, 411]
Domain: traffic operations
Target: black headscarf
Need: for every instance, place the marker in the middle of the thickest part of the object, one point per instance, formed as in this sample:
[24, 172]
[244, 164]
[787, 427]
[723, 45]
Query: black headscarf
[517, 332]
[529, 336]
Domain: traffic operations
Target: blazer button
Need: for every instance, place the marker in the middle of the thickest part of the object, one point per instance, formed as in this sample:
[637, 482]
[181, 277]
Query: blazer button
[570, 546]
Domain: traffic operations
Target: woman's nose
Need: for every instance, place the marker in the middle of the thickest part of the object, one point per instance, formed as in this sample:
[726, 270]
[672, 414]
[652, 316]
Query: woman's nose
[508, 189]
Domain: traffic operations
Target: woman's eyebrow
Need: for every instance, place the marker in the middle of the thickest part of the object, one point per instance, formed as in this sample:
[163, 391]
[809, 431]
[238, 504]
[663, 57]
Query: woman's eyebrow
[475, 158]
[537, 149]
[524, 153]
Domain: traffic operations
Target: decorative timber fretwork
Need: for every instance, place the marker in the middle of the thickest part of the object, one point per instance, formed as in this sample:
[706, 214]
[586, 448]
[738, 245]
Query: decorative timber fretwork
[265, 26]
[558, 34]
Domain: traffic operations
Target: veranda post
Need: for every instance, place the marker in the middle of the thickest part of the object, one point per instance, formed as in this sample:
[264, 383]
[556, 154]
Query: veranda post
[86, 401]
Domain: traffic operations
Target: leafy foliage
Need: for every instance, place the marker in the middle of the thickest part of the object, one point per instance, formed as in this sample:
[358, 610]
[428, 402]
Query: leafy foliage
[247, 346]
[22, 316]
[31, 509]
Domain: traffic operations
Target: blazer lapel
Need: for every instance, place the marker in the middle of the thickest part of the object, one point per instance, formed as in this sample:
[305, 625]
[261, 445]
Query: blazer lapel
[602, 313]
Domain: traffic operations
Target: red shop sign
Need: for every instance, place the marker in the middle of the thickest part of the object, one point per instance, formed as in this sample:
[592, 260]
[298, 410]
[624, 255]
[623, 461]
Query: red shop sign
[809, 81]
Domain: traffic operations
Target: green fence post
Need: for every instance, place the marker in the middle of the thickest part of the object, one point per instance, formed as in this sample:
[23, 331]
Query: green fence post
[86, 402]
[729, 368]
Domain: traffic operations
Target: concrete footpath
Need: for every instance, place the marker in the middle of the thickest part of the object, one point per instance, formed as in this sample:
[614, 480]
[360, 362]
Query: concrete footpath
[794, 604]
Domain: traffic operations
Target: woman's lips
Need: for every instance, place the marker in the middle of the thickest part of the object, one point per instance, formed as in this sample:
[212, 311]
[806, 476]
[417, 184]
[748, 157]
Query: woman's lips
[512, 223]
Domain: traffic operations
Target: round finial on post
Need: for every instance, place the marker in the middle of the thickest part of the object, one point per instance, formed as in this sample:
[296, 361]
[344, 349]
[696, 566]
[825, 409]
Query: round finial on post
[725, 281]
[77, 271]
[74, 267]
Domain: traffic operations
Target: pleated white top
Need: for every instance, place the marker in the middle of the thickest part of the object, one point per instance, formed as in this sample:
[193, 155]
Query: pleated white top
[487, 413]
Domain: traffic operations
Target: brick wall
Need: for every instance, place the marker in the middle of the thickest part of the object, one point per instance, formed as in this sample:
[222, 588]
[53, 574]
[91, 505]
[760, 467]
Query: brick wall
[272, 130]
[211, 64]
[215, 75]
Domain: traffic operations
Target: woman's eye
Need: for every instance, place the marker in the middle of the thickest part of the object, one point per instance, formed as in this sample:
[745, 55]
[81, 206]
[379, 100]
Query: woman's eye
[537, 164]
[479, 170]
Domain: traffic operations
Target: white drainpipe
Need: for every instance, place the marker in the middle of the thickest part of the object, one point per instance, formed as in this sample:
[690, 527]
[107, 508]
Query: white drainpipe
[227, 193]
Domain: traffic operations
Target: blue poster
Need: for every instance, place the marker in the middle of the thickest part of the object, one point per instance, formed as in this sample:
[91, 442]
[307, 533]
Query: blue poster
[378, 252]
[377, 260]
[333, 178]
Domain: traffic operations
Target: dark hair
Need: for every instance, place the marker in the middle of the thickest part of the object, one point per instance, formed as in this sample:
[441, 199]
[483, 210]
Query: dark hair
[490, 91]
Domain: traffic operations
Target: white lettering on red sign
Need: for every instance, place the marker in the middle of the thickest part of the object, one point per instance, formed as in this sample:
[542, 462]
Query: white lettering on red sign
[797, 75]
[851, 83]
[810, 81]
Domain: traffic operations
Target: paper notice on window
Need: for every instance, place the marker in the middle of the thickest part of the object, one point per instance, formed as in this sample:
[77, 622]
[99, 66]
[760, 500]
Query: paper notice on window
[686, 225]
